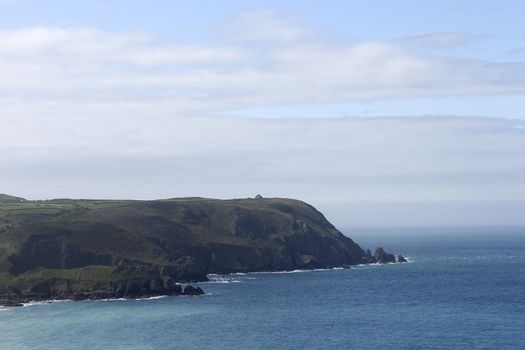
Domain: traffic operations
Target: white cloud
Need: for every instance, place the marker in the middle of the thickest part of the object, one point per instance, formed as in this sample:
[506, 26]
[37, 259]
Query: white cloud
[90, 113]
[81, 45]
[266, 60]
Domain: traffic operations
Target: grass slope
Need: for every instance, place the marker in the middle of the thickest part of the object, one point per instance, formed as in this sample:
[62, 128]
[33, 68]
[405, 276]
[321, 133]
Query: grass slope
[6, 199]
[86, 245]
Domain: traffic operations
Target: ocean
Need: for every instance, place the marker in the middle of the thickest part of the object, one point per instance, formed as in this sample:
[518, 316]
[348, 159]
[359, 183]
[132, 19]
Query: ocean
[463, 289]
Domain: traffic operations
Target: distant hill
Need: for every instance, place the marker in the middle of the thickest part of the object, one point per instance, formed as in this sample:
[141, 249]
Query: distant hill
[5, 199]
[60, 248]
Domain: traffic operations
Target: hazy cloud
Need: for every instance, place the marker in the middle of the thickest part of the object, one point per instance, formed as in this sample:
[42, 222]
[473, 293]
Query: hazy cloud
[322, 160]
[265, 27]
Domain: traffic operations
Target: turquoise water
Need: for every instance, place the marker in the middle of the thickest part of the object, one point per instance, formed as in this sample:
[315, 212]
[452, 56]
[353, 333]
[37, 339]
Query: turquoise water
[465, 289]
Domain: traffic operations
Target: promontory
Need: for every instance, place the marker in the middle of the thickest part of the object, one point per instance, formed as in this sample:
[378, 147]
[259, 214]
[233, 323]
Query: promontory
[93, 249]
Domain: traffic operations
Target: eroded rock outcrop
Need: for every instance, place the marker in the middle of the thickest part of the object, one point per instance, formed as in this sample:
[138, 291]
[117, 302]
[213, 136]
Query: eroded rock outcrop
[401, 259]
[383, 257]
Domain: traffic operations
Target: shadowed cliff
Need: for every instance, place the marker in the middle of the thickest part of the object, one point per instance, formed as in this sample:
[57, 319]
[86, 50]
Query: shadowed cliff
[62, 247]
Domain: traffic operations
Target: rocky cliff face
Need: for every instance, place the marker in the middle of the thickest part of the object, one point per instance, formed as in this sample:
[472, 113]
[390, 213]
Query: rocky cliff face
[128, 248]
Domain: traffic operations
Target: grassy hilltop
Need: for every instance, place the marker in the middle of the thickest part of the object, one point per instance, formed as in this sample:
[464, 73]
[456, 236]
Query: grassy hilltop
[69, 246]
[6, 199]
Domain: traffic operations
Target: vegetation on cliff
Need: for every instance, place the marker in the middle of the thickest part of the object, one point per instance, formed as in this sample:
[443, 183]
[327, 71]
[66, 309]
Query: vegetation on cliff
[109, 248]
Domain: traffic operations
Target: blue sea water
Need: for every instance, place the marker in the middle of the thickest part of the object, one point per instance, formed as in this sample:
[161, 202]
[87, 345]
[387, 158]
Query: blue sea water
[465, 289]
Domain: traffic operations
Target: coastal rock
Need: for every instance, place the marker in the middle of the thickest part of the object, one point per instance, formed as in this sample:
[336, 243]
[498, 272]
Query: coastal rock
[132, 290]
[10, 303]
[12, 293]
[172, 287]
[401, 259]
[42, 290]
[120, 290]
[191, 268]
[309, 262]
[191, 290]
[157, 286]
[383, 257]
[79, 296]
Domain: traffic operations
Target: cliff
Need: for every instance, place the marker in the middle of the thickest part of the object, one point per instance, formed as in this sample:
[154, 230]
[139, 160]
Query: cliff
[95, 249]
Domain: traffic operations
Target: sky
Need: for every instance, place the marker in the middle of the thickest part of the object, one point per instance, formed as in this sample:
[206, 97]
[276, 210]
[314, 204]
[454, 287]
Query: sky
[379, 113]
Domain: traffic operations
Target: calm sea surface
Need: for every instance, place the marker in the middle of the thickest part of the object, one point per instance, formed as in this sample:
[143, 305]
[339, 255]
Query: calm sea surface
[465, 289]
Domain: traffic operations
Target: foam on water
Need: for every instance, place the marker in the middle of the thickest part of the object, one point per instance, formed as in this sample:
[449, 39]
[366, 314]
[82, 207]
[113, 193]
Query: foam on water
[230, 278]
[293, 271]
[214, 278]
[153, 298]
[45, 302]
[227, 278]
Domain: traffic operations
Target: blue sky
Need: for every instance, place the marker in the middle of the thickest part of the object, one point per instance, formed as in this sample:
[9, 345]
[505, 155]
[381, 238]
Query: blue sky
[388, 109]
[369, 20]
[485, 31]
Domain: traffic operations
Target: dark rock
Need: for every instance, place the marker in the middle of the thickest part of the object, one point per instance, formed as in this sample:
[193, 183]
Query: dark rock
[157, 286]
[383, 257]
[309, 262]
[10, 303]
[172, 287]
[401, 259]
[99, 295]
[146, 287]
[120, 290]
[41, 289]
[132, 290]
[79, 296]
[169, 271]
[191, 290]
[12, 293]
[191, 269]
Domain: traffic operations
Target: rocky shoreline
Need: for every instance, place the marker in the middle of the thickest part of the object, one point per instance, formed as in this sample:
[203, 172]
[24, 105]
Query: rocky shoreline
[112, 249]
[148, 288]
[133, 290]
